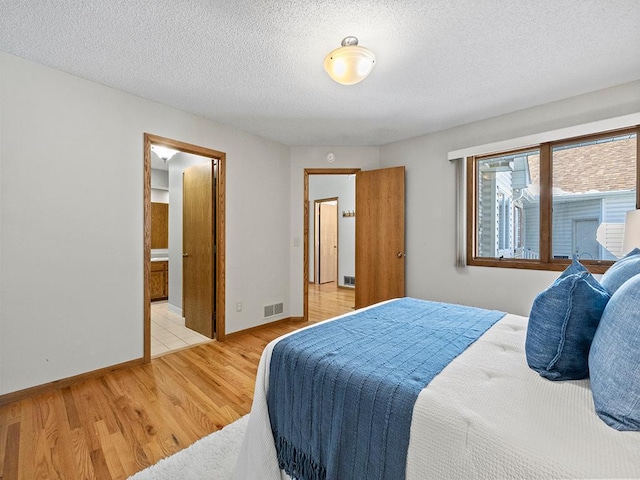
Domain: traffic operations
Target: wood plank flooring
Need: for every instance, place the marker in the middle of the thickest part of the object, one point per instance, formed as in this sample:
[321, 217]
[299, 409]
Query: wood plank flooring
[114, 425]
[327, 301]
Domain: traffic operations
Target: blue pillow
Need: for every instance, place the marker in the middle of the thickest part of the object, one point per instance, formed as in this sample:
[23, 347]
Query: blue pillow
[621, 271]
[615, 359]
[562, 324]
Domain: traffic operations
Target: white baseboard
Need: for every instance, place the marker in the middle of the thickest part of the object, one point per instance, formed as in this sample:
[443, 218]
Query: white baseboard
[174, 309]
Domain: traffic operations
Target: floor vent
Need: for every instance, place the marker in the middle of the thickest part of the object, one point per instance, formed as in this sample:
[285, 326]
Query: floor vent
[351, 281]
[272, 310]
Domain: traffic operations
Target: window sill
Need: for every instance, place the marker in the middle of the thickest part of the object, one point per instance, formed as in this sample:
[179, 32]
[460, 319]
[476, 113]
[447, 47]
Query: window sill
[559, 265]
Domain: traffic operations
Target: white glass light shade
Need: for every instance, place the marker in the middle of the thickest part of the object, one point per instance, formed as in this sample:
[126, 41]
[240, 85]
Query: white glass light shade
[631, 237]
[164, 153]
[350, 63]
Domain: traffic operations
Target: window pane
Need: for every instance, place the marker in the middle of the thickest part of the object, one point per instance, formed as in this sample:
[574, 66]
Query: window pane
[593, 188]
[509, 206]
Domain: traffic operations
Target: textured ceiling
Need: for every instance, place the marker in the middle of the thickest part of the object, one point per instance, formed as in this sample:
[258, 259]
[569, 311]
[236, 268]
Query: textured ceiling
[257, 64]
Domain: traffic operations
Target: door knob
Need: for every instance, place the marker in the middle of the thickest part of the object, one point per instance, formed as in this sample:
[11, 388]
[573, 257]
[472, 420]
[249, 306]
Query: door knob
[400, 254]
[185, 254]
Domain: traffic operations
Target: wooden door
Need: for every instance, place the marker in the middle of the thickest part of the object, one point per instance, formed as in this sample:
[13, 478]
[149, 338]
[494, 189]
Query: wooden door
[380, 255]
[198, 248]
[328, 242]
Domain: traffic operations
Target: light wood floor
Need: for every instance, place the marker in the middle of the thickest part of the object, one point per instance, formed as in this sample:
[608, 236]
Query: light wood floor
[115, 425]
[326, 301]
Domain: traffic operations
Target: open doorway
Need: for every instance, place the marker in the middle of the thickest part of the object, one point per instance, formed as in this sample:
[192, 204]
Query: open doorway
[329, 252]
[214, 247]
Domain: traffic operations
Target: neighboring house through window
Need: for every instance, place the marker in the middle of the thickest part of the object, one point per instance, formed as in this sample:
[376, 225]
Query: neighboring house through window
[538, 206]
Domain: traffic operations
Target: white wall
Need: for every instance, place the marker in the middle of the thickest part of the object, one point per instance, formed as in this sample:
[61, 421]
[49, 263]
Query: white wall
[159, 196]
[159, 186]
[71, 293]
[343, 187]
[71, 236]
[366, 158]
[160, 179]
[430, 201]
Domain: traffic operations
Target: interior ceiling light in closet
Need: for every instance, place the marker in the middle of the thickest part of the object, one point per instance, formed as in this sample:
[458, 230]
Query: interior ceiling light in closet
[350, 63]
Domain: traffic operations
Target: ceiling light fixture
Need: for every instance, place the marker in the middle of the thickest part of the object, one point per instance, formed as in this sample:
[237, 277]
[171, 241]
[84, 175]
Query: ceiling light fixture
[164, 153]
[350, 63]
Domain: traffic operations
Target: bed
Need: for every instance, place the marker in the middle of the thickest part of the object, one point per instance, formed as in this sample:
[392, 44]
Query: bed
[486, 414]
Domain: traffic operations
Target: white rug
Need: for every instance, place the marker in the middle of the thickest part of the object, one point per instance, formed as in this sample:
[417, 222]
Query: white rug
[212, 457]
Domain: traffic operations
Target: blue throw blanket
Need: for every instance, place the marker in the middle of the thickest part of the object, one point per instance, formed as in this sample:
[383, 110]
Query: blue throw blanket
[341, 394]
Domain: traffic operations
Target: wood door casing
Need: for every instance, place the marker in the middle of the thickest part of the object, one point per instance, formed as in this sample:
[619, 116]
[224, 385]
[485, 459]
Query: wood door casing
[220, 229]
[380, 254]
[328, 242]
[198, 248]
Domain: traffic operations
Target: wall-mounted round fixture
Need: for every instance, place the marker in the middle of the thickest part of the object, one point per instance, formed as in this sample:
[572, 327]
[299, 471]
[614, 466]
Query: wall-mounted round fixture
[331, 157]
[350, 63]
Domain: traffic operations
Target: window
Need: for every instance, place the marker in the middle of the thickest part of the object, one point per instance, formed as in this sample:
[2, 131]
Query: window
[505, 202]
[539, 206]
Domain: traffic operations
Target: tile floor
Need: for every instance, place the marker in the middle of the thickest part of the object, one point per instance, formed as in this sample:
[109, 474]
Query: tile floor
[168, 331]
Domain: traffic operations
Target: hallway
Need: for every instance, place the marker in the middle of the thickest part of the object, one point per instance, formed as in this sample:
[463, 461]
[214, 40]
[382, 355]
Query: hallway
[327, 300]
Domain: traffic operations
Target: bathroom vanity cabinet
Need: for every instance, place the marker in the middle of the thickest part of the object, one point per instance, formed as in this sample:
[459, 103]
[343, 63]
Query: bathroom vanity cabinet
[159, 283]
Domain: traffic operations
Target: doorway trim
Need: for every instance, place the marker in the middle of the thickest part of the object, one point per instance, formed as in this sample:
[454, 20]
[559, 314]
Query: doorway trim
[305, 228]
[220, 232]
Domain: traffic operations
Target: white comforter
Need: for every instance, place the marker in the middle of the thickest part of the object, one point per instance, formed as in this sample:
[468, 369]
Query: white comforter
[486, 415]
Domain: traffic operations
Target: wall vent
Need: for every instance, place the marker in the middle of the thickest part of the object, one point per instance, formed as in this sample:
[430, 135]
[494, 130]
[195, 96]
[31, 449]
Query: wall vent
[351, 281]
[272, 310]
